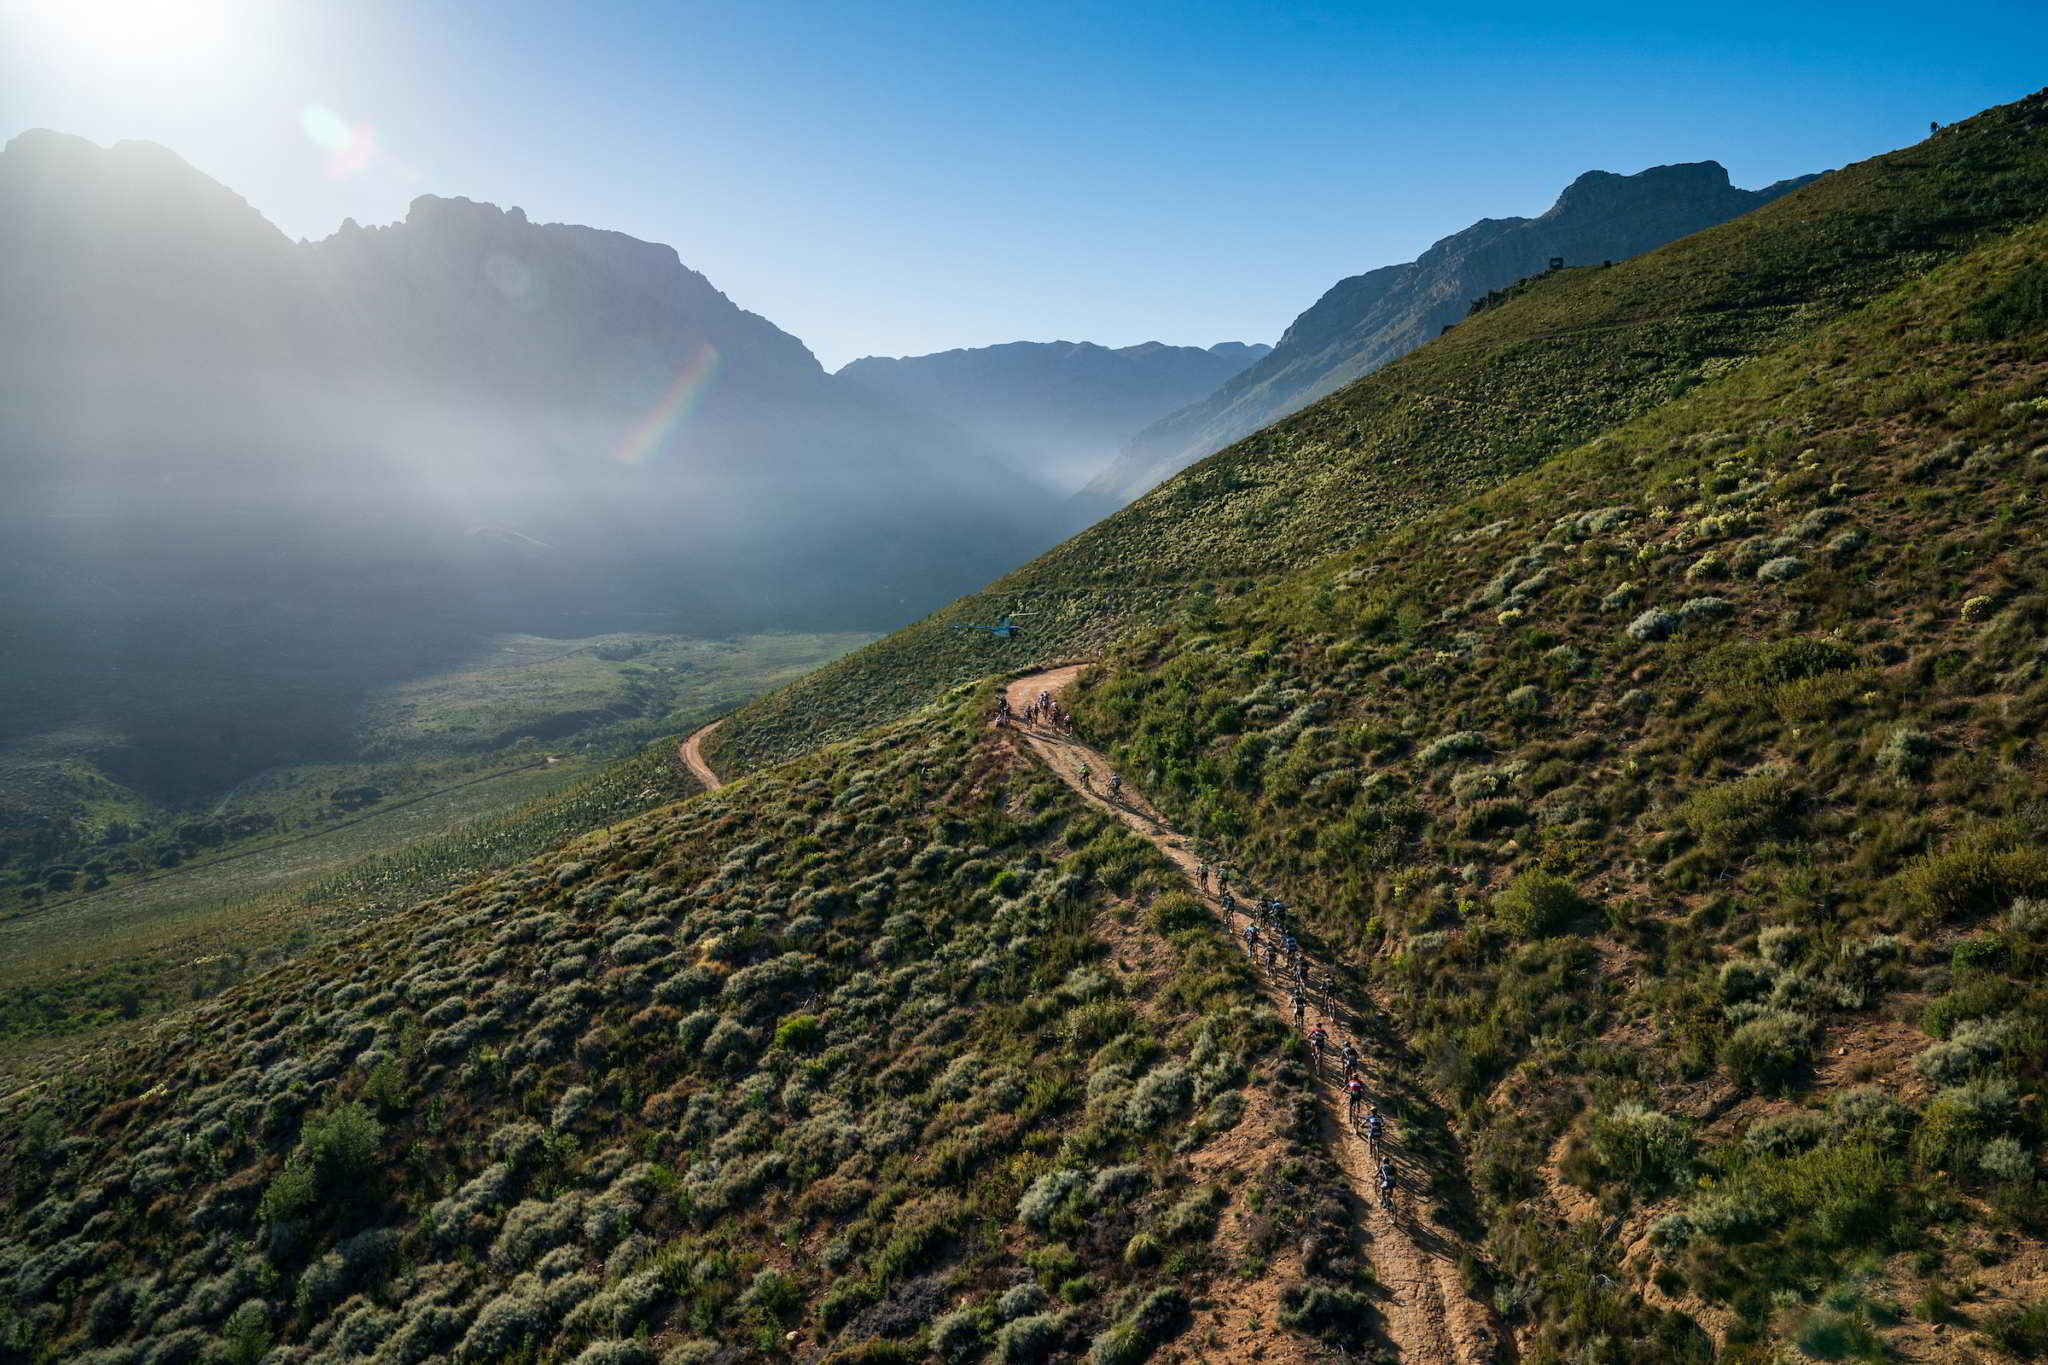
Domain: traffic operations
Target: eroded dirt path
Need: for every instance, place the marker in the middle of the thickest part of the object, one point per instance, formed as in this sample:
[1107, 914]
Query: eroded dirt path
[691, 751]
[1430, 1317]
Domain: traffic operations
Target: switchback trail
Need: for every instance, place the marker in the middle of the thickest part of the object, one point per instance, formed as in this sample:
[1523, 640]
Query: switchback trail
[1431, 1319]
[691, 751]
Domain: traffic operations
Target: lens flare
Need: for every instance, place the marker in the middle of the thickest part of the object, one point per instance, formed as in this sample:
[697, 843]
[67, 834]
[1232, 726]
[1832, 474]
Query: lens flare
[651, 432]
[348, 145]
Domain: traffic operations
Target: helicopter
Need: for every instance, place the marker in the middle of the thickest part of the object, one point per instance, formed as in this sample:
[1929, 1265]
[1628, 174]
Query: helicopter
[1004, 629]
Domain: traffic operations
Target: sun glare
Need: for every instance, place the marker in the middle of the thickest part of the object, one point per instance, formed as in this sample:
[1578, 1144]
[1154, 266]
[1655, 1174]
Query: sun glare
[132, 37]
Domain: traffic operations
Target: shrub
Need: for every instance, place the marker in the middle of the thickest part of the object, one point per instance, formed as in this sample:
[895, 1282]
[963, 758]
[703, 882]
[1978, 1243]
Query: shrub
[617, 1351]
[1868, 1112]
[1905, 753]
[1974, 1046]
[1653, 625]
[336, 1159]
[1177, 910]
[1783, 569]
[1770, 1051]
[1028, 1340]
[1746, 978]
[1642, 1146]
[1133, 1338]
[1021, 1300]
[1980, 871]
[573, 1105]
[956, 1336]
[1781, 944]
[1324, 1310]
[1672, 1232]
[799, 1033]
[1729, 816]
[1194, 1216]
[503, 1326]
[1733, 1215]
[1698, 611]
[1163, 1092]
[1537, 903]
[1961, 1119]
[246, 1334]
[1457, 744]
[2003, 1158]
[1781, 1134]
[1046, 1197]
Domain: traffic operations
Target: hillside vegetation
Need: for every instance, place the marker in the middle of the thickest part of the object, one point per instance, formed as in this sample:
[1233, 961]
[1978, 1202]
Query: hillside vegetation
[1684, 800]
[875, 1058]
[1576, 354]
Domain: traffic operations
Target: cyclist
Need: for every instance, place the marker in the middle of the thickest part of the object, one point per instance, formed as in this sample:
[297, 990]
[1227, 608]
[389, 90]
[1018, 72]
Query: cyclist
[1251, 941]
[1300, 1007]
[1202, 875]
[1116, 785]
[1386, 1183]
[1085, 772]
[1354, 1094]
[1317, 1039]
[1375, 1127]
[1350, 1055]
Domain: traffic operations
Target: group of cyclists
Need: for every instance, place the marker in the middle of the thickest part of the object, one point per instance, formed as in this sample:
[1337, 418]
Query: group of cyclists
[1044, 709]
[1266, 927]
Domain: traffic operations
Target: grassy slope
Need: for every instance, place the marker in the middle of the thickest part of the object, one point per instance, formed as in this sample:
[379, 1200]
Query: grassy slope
[805, 1055]
[1579, 353]
[1720, 941]
[137, 947]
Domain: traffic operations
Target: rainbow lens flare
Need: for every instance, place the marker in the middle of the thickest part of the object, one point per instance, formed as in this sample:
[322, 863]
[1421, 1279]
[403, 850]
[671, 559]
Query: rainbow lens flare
[651, 432]
[348, 145]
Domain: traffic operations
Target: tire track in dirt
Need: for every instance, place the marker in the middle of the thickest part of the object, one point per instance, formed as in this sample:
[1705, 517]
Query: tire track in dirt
[1430, 1318]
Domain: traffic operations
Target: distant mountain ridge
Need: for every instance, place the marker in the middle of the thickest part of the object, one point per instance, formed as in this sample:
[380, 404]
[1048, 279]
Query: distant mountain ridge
[1368, 320]
[226, 451]
[1058, 410]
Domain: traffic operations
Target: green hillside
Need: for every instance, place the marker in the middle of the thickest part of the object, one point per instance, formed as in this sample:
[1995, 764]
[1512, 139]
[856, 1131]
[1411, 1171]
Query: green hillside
[1638, 692]
[878, 1050]
[1569, 357]
[1684, 800]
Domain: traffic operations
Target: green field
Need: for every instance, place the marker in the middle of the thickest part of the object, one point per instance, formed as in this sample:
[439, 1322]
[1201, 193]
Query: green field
[463, 786]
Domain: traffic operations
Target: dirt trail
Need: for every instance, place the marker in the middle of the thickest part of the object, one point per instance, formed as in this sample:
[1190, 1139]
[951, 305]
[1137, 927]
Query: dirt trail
[1430, 1318]
[691, 751]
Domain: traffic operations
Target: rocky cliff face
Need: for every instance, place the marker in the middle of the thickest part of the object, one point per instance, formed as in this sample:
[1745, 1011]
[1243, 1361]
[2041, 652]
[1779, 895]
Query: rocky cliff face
[1057, 411]
[1370, 319]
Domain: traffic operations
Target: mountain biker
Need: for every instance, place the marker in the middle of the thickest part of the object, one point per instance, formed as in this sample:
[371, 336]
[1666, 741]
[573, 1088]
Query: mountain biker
[1085, 771]
[1251, 941]
[1116, 784]
[1386, 1182]
[1300, 1007]
[1375, 1127]
[1202, 875]
[1350, 1054]
[1354, 1093]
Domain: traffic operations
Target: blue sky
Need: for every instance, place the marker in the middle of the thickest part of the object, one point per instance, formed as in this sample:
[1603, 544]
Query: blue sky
[900, 176]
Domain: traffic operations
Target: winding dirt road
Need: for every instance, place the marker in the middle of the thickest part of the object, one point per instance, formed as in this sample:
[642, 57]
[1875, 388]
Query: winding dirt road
[1430, 1317]
[691, 751]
